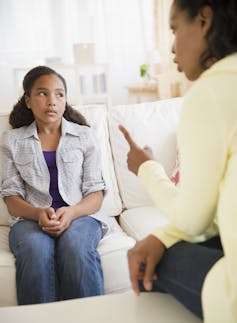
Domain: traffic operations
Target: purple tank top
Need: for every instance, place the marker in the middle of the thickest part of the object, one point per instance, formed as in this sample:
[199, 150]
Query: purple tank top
[50, 158]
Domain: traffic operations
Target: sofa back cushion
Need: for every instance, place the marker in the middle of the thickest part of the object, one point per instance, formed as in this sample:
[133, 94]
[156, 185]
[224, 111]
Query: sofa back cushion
[153, 124]
[96, 115]
[97, 118]
[4, 125]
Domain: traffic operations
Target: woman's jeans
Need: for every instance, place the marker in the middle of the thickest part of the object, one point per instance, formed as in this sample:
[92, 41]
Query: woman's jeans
[50, 269]
[183, 269]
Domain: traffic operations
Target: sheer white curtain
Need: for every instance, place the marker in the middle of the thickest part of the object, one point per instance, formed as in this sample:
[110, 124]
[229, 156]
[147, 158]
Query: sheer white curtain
[163, 32]
[32, 30]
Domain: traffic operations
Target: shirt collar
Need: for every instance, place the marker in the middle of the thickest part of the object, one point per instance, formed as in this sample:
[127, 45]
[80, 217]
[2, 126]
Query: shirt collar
[30, 131]
[67, 127]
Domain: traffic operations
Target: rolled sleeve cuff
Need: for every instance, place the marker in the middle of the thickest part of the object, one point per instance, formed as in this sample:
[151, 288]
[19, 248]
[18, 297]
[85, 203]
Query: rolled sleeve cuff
[12, 192]
[91, 187]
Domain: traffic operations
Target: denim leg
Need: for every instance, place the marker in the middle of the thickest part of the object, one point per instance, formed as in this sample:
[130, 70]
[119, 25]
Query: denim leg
[35, 267]
[182, 271]
[78, 262]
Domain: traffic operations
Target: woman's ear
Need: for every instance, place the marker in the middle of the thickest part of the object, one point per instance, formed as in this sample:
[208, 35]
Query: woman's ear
[206, 19]
[27, 101]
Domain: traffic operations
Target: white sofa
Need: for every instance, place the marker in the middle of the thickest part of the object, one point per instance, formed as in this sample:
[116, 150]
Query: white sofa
[149, 123]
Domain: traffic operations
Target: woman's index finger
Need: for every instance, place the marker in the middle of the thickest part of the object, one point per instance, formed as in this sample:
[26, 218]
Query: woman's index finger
[127, 136]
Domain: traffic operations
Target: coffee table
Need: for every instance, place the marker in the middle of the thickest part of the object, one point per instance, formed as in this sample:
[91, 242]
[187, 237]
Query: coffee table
[114, 308]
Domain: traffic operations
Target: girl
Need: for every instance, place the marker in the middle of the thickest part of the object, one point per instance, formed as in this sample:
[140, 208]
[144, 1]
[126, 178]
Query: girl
[53, 187]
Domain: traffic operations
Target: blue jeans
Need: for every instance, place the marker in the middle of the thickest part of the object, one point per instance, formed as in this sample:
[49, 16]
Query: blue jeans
[182, 270]
[49, 269]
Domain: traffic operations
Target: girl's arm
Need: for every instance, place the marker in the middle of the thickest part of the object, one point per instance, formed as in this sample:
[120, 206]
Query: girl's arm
[19, 208]
[88, 205]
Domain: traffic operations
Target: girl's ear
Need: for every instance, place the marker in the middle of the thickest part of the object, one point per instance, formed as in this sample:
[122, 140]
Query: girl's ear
[206, 19]
[27, 101]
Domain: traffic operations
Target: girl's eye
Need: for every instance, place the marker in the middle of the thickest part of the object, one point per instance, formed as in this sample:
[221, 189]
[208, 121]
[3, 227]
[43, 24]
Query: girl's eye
[60, 95]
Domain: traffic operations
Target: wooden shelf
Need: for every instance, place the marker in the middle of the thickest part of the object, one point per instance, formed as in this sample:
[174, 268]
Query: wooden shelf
[149, 89]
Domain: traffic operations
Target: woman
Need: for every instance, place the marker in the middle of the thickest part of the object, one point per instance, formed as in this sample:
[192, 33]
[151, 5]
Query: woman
[53, 187]
[194, 258]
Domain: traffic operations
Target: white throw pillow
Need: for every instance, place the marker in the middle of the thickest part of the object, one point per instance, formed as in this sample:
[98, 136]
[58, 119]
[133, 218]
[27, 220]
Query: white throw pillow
[4, 124]
[153, 124]
[96, 116]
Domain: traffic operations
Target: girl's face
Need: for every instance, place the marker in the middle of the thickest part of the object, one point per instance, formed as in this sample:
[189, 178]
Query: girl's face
[47, 100]
[190, 40]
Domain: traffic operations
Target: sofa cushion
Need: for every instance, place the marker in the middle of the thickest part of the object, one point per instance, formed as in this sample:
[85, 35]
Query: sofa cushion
[4, 215]
[153, 124]
[112, 249]
[4, 125]
[4, 122]
[97, 118]
[7, 270]
[139, 222]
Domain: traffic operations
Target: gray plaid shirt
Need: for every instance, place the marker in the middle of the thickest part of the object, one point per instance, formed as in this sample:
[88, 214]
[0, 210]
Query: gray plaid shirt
[25, 172]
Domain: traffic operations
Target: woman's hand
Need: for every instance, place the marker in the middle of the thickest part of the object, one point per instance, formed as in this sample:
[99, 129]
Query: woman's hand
[147, 253]
[64, 216]
[136, 156]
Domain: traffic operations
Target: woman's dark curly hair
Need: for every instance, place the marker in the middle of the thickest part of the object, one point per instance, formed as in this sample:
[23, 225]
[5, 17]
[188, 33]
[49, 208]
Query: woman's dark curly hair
[22, 116]
[222, 37]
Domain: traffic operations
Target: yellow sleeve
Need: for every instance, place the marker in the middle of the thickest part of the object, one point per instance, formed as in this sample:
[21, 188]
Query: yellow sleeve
[191, 208]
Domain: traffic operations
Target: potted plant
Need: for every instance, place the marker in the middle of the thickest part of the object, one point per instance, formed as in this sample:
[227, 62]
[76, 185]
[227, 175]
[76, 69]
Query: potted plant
[144, 71]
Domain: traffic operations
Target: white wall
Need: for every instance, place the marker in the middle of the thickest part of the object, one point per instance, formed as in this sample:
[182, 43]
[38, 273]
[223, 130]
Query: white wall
[31, 30]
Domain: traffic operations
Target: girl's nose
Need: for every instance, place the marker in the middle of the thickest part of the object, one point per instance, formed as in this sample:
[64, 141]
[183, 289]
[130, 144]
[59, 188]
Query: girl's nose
[51, 100]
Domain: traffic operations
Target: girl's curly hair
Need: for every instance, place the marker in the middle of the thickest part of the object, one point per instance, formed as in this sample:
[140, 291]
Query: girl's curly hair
[22, 116]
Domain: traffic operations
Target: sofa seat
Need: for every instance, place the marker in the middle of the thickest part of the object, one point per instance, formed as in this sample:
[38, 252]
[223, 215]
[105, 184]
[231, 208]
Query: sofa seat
[112, 249]
[7, 270]
[113, 252]
[140, 221]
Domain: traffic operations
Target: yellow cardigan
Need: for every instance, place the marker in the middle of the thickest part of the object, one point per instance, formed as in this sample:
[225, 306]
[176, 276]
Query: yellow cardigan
[205, 202]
